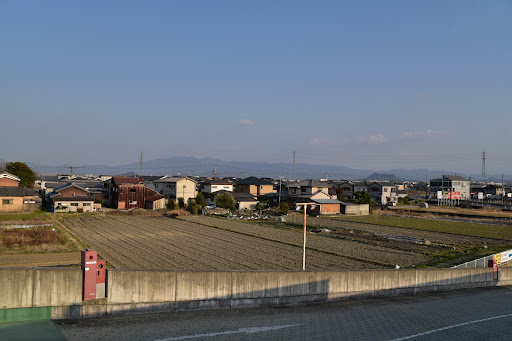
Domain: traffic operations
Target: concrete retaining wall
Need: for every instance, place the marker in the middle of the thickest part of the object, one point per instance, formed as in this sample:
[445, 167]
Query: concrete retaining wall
[131, 291]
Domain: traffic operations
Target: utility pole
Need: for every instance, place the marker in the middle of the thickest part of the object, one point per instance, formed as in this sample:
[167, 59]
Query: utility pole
[502, 190]
[294, 174]
[140, 169]
[215, 174]
[280, 179]
[483, 167]
[304, 235]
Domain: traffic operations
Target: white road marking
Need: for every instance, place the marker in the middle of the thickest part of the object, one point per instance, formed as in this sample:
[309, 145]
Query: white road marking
[449, 327]
[239, 331]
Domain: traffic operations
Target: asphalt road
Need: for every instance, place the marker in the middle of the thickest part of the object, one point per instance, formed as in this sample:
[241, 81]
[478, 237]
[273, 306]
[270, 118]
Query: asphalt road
[474, 314]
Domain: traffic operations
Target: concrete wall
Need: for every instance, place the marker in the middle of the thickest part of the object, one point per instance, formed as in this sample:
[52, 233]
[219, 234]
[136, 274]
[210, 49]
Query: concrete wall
[131, 291]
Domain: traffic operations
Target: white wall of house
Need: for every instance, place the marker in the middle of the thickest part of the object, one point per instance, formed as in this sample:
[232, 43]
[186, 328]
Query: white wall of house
[211, 188]
[73, 206]
[177, 188]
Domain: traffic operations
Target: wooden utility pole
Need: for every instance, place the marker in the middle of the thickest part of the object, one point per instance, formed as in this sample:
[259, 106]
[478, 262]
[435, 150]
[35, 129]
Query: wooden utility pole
[304, 235]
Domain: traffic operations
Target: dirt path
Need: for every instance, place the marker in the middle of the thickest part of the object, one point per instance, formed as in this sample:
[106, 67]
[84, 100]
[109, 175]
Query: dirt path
[41, 259]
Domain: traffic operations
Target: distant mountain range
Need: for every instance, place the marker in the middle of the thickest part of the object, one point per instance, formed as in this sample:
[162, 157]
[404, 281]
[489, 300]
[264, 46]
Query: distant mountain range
[208, 166]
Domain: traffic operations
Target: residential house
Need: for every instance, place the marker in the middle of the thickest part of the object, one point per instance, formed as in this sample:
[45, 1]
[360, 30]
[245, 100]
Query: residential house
[451, 183]
[9, 180]
[326, 206]
[71, 198]
[217, 185]
[210, 188]
[361, 186]
[348, 189]
[245, 201]
[14, 198]
[128, 192]
[307, 187]
[174, 187]
[383, 192]
[149, 181]
[254, 186]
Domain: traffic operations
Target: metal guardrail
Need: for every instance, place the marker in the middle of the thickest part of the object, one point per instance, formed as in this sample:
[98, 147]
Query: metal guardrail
[481, 262]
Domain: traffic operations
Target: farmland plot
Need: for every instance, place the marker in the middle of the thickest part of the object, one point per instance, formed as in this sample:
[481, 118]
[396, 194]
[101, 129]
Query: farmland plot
[166, 243]
[357, 250]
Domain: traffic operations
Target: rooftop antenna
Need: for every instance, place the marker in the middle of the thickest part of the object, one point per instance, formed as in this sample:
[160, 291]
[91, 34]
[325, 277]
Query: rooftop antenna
[71, 170]
[483, 167]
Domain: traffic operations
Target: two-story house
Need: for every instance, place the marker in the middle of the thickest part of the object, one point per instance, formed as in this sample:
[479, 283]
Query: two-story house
[126, 192]
[12, 196]
[254, 186]
[71, 198]
[174, 187]
[383, 192]
[308, 187]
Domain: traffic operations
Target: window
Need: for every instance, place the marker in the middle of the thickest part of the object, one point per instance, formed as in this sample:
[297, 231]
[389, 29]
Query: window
[226, 187]
[133, 190]
[385, 189]
[74, 204]
[86, 204]
[7, 201]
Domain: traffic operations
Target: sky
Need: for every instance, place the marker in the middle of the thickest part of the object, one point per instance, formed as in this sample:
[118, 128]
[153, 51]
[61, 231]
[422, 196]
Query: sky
[363, 84]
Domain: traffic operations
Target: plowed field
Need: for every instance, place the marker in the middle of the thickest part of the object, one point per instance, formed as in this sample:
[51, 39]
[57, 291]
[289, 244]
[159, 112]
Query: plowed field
[167, 243]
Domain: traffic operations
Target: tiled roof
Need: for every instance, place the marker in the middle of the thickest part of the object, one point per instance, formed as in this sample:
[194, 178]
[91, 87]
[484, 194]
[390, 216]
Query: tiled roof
[81, 198]
[70, 184]
[326, 201]
[16, 192]
[127, 180]
[254, 181]
[174, 179]
[9, 176]
[455, 177]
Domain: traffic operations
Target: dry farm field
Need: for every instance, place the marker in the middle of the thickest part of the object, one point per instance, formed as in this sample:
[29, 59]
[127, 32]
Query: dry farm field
[169, 243]
[213, 243]
[36, 239]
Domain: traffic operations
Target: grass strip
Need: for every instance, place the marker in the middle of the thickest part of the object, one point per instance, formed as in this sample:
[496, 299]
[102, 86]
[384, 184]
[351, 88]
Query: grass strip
[21, 216]
[462, 228]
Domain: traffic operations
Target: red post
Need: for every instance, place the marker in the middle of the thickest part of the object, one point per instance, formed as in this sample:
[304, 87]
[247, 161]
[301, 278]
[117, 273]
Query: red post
[101, 278]
[88, 264]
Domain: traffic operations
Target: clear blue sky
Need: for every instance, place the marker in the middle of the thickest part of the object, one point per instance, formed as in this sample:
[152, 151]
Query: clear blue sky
[363, 84]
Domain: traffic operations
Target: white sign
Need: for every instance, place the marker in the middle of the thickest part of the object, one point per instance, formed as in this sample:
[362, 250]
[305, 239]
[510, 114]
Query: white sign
[480, 196]
[439, 194]
[506, 256]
